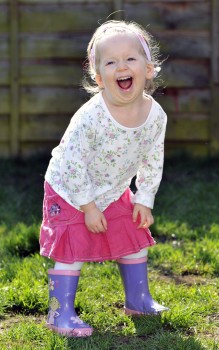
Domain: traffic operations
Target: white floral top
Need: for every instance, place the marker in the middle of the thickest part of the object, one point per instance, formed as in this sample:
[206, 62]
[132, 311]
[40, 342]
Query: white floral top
[97, 157]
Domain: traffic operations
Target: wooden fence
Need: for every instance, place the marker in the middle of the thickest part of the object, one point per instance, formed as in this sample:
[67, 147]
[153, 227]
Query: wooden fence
[42, 49]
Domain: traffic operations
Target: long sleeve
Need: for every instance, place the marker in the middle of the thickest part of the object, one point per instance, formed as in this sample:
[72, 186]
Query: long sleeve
[150, 172]
[77, 148]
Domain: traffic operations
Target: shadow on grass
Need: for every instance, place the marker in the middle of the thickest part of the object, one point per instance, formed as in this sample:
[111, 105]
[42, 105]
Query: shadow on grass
[153, 338]
[149, 334]
[159, 340]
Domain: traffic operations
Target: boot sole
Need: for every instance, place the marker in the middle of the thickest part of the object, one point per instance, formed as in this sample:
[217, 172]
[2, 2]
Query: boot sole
[74, 332]
[130, 312]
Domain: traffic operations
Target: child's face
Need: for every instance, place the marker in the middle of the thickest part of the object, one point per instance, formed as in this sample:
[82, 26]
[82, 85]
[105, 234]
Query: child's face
[123, 68]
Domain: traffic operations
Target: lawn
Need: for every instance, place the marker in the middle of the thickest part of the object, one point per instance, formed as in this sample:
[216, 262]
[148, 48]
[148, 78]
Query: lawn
[183, 273]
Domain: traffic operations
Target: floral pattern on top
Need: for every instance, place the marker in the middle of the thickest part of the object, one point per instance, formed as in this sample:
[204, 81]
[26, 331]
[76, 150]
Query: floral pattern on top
[97, 157]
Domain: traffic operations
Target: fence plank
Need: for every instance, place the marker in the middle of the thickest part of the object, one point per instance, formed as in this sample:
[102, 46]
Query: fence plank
[4, 130]
[48, 18]
[186, 73]
[5, 100]
[59, 45]
[56, 45]
[215, 44]
[181, 44]
[169, 15]
[14, 83]
[43, 128]
[4, 46]
[186, 100]
[48, 100]
[214, 120]
[188, 127]
[197, 149]
[4, 73]
[3, 18]
[62, 73]
[60, 2]
[163, 1]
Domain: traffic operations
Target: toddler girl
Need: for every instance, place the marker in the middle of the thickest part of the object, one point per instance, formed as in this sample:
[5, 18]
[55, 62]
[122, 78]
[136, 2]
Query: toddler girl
[89, 212]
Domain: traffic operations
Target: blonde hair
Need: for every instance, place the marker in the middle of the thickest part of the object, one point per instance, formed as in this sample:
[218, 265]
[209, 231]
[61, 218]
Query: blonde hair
[92, 66]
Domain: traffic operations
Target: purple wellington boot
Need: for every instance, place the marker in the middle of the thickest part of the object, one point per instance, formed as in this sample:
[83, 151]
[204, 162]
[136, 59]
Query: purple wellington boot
[135, 280]
[62, 317]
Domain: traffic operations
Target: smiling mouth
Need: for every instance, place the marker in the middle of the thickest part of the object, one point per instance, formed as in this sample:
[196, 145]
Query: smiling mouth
[125, 83]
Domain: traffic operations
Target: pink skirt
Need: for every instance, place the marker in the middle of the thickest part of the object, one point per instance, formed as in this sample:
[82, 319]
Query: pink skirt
[65, 238]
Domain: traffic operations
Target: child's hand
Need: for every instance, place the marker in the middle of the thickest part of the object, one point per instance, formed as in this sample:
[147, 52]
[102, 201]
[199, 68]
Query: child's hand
[146, 218]
[95, 220]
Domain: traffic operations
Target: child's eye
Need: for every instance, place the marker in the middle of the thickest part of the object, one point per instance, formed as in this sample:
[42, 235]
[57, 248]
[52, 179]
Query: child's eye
[131, 59]
[109, 63]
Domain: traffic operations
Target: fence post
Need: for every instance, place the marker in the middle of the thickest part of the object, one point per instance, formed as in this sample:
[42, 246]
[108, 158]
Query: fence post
[117, 7]
[214, 117]
[14, 78]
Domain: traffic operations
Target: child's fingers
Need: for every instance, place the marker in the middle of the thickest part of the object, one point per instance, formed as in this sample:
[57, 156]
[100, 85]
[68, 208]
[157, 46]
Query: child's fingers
[135, 214]
[143, 215]
[143, 222]
[98, 226]
[97, 229]
[104, 223]
[146, 221]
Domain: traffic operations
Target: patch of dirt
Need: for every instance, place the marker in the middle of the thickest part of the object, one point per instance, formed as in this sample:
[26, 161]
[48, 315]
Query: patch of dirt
[10, 320]
[189, 280]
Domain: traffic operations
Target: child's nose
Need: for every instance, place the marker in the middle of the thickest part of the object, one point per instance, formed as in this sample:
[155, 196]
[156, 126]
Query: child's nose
[122, 65]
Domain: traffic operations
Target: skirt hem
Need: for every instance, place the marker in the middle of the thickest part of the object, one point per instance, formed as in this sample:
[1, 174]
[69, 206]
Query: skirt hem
[95, 259]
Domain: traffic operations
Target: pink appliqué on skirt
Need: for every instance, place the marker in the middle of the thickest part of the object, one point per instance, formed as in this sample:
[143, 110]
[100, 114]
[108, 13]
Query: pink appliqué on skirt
[65, 238]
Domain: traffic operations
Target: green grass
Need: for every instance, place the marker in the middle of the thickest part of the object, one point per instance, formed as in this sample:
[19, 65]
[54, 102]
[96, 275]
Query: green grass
[183, 268]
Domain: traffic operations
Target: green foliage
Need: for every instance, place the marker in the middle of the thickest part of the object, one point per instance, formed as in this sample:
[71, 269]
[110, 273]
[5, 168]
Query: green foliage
[21, 240]
[23, 287]
[187, 257]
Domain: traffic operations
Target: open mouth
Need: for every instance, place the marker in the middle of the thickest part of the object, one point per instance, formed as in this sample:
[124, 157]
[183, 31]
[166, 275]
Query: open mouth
[125, 83]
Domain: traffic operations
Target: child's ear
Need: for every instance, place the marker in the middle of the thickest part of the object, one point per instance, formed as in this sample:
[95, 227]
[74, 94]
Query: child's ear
[99, 81]
[149, 71]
